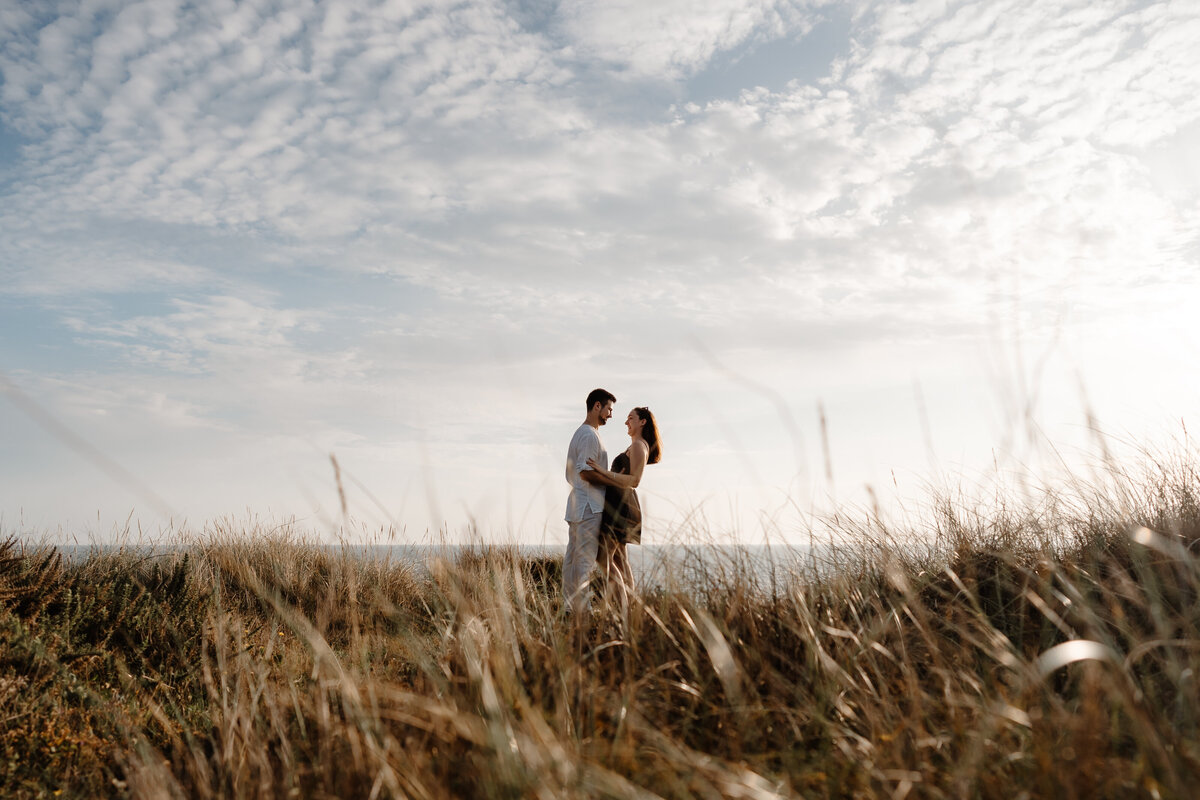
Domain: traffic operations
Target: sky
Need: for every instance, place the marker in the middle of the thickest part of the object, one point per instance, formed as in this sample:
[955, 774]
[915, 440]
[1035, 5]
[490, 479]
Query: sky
[846, 252]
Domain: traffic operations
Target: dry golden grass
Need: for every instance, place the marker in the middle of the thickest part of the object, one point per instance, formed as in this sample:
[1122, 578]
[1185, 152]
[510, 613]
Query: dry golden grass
[1048, 649]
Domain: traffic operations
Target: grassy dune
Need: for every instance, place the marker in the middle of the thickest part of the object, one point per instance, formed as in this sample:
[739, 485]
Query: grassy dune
[1039, 649]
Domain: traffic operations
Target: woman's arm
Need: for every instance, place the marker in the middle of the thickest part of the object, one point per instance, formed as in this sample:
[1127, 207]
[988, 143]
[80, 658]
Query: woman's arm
[599, 476]
[638, 455]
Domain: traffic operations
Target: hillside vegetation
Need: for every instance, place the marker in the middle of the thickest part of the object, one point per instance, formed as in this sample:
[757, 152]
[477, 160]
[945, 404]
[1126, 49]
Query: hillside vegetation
[1047, 648]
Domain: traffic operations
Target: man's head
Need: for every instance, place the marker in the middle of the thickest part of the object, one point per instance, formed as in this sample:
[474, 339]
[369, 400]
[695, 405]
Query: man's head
[599, 406]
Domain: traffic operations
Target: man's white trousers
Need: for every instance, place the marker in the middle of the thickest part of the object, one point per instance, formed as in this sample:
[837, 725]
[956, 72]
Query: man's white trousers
[583, 541]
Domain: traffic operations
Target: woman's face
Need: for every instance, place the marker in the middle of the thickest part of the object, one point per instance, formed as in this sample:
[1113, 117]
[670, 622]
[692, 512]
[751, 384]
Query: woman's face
[634, 424]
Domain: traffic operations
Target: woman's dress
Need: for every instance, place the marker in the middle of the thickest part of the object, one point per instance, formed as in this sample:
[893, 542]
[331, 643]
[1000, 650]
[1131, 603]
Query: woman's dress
[622, 517]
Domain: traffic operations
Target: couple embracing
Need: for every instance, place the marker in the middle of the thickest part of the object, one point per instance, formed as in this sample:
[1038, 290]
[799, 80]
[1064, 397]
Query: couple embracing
[603, 513]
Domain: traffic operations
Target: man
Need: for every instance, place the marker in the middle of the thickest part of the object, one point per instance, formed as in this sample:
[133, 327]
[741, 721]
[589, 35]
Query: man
[586, 501]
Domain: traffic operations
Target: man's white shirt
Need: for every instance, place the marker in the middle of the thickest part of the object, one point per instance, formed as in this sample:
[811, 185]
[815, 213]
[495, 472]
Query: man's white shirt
[585, 498]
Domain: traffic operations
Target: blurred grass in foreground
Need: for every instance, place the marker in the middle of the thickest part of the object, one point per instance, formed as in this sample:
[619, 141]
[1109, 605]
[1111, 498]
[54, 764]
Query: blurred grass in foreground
[1046, 648]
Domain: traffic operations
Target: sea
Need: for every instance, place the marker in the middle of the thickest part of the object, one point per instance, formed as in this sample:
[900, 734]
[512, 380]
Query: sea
[667, 566]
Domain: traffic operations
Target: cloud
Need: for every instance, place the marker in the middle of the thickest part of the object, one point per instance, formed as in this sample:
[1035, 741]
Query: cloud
[445, 144]
[304, 117]
[362, 224]
[198, 335]
[670, 40]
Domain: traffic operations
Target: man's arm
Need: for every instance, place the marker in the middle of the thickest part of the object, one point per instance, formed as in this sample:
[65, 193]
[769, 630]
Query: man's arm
[589, 451]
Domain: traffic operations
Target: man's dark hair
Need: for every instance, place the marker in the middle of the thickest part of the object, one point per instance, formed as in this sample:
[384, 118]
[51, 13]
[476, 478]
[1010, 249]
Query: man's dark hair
[600, 396]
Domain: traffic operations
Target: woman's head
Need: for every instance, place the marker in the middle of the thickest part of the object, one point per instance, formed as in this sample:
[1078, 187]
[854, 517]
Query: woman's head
[641, 421]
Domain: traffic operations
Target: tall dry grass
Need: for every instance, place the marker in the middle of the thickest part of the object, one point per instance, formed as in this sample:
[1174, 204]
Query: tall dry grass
[1045, 648]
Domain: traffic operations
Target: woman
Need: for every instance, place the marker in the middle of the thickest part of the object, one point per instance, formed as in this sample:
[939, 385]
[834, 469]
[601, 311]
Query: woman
[621, 522]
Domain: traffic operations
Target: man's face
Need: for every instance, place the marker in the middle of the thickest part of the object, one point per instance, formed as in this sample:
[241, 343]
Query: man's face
[605, 412]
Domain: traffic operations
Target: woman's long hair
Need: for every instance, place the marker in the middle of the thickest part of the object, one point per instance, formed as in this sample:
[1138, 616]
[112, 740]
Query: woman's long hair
[650, 434]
